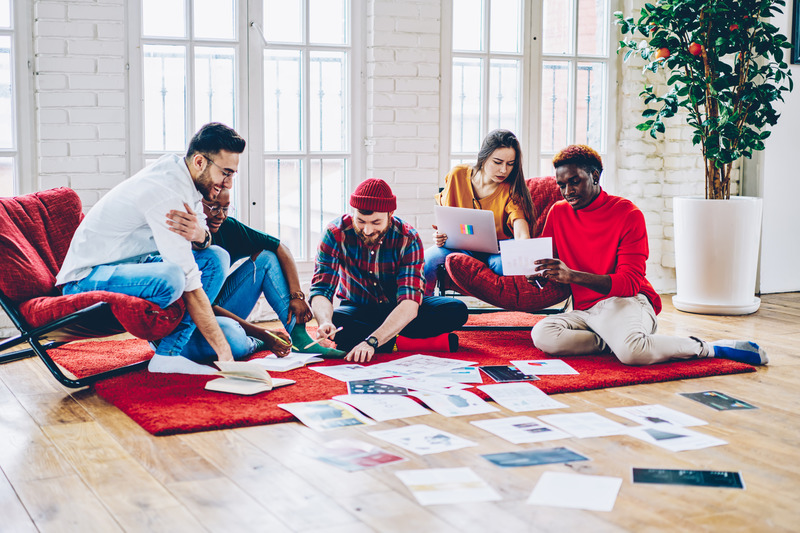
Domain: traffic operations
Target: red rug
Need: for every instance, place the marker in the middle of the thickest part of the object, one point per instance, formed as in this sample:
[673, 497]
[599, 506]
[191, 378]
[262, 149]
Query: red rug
[166, 404]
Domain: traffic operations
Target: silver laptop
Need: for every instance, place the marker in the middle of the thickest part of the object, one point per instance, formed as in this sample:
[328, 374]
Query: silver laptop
[467, 229]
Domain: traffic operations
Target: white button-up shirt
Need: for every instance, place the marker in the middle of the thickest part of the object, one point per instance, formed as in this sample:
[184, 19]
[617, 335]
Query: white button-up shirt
[131, 220]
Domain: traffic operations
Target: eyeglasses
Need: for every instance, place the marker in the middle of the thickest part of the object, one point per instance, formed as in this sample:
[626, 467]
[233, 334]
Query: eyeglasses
[217, 209]
[226, 173]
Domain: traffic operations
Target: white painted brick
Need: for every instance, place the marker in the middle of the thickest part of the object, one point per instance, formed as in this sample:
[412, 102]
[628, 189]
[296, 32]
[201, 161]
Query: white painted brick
[417, 85]
[53, 116]
[428, 162]
[68, 132]
[393, 100]
[395, 161]
[380, 115]
[416, 145]
[429, 100]
[66, 99]
[112, 131]
[65, 64]
[62, 29]
[393, 130]
[96, 148]
[95, 181]
[96, 115]
[117, 164]
[53, 149]
[51, 181]
[48, 82]
[428, 130]
[429, 70]
[384, 8]
[399, 40]
[417, 115]
[43, 45]
[415, 55]
[95, 12]
[96, 48]
[111, 99]
[50, 10]
[384, 85]
[432, 41]
[110, 31]
[376, 53]
[115, 65]
[68, 165]
[418, 26]
[392, 70]
[97, 82]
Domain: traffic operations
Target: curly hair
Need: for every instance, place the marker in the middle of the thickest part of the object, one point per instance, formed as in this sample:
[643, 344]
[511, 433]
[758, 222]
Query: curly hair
[580, 155]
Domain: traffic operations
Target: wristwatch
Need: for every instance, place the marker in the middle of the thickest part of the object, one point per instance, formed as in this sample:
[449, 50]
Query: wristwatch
[297, 296]
[372, 340]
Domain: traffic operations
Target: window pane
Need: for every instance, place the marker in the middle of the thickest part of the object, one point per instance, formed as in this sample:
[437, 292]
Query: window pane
[327, 108]
[557, 26]
[214, 19]
[282, 100]
[590, 105]
[283, 199]
[283, 21]
[328, 194]
[327, 21]
[555, 118]
[546, 166]
[5, 14]
[6, 109]
[592, 27]
[466, 126]
[164, 98]
[7, 182]
[463, 161]
[468, 25]
[163, 18]
[215, 93]
[506, 26]
[504, 91]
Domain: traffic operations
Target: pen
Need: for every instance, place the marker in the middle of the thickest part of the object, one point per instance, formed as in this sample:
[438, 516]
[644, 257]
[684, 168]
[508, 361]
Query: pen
[309, 345]
[279, 339]
[538, 284]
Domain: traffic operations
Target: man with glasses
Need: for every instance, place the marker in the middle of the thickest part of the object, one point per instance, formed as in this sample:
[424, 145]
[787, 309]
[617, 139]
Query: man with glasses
[135, 241]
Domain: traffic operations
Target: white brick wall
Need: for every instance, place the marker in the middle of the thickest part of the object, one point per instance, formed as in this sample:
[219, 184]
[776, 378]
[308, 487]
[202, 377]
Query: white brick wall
[81, 94]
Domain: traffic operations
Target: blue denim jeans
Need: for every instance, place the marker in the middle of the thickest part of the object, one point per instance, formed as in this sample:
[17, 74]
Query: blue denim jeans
[239, 295]
[162, 283]
[436, 255]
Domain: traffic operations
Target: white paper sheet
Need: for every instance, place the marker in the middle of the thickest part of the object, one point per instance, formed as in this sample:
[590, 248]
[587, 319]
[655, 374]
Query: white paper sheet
[520, 396]
[420, 365]
[518, 255]
[576, 491]
[422, 439]
[455, 403]
[424, 383]
[675, 438]
[382, 407]
[656, 414]
[584, 425]
[447, 485]
[545, 367]
[467, 374]
[520, 429]
[282, 364]
[326, 414]
[351, 372]
[352, 455]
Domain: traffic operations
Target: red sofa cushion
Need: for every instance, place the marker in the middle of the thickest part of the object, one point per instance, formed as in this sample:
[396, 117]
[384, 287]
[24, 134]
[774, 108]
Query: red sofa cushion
[473, 277]
[35, 233]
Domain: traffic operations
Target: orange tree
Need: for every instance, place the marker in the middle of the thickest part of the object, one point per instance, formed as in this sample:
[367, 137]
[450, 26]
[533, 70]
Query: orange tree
[725, 66]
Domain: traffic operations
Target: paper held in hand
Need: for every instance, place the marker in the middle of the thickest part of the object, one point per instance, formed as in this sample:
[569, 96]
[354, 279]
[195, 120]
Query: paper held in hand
[245, 378]
[518, 255]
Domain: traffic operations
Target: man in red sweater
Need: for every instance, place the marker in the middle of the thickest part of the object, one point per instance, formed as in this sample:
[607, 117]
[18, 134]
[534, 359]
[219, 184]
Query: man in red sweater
[600, 242]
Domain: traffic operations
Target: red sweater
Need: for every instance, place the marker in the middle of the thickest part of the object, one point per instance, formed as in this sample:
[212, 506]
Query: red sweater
[606, 237]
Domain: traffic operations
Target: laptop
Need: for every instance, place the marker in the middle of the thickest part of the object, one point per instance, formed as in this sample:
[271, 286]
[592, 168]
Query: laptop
[467, 229]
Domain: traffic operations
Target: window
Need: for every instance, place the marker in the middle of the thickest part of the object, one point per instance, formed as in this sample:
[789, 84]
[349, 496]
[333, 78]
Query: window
[14, 125]
[189, 61]
[280, 73]
[306, 52]
[549, 86]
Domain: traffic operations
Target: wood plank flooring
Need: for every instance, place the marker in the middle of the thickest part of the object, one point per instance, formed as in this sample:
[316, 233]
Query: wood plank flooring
[71, 462]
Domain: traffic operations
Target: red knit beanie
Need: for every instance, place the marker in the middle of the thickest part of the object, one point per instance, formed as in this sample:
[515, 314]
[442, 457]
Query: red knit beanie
[374, 194]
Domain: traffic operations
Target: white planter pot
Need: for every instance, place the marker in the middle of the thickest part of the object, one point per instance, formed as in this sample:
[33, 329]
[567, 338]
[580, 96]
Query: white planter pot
[716, 254]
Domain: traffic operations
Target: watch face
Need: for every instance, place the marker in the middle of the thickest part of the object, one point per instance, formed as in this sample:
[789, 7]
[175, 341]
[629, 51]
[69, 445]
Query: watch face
[372, 341]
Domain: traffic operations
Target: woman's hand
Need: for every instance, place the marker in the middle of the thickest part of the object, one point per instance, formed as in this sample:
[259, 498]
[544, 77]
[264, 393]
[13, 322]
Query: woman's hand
[438, 238]
[281, 349]
[300, 310]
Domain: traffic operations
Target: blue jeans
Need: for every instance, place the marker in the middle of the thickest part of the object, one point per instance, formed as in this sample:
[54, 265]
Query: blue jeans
[436, 255]
[162, 283]
[239, 295]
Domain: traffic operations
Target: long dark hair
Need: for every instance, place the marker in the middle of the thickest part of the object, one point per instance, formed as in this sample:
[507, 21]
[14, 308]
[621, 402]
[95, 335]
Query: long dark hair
[519, 189]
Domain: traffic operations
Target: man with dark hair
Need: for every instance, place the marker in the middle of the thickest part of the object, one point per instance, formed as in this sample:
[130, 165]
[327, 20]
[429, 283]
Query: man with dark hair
[600, 242]
[134, 241]
[373, 261]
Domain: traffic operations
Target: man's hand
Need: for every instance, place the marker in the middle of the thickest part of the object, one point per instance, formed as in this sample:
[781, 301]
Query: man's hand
[361, 353]
[186, 224]
[554, 270]
[300, 310]
[438, 238]
[326, 330]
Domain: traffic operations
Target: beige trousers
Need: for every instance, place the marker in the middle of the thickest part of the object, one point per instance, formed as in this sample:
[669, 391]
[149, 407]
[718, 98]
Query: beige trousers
[626, 326]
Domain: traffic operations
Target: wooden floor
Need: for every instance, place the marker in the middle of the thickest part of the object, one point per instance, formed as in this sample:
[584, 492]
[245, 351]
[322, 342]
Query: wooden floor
[72, 462]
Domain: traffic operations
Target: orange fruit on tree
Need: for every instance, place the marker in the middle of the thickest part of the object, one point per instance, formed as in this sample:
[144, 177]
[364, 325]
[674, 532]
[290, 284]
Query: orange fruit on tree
[663, 53]
[695, 49]
[734, 27]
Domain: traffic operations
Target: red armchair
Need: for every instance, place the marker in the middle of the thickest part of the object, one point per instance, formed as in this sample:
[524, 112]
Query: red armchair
[35, 233]
[467, 275]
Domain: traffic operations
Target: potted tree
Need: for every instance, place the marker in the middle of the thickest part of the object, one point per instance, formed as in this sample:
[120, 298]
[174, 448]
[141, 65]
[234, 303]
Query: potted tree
[725, 70]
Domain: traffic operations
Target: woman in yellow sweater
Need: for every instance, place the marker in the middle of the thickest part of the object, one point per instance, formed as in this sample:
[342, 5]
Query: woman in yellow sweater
[495, 183]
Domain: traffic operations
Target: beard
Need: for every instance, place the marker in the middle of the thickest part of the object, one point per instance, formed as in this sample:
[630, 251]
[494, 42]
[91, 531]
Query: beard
[373, 239]
[204, 183]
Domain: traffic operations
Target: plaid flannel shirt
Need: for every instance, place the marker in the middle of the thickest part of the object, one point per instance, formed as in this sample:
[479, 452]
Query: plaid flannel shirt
[388, 272]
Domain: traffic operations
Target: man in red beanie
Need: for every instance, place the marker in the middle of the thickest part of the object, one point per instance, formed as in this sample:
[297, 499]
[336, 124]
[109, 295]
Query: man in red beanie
[374, 261]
